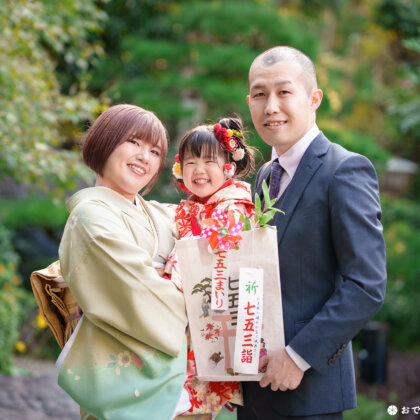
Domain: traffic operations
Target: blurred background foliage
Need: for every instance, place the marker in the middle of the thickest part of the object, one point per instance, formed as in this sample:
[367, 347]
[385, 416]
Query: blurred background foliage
[62, 63]
[38, 114]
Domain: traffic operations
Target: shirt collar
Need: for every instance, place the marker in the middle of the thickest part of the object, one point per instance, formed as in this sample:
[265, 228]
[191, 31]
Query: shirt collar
[290, 159]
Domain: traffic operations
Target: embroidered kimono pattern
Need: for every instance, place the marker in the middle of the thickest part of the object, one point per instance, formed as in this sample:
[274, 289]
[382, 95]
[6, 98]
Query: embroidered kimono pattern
[233, 198]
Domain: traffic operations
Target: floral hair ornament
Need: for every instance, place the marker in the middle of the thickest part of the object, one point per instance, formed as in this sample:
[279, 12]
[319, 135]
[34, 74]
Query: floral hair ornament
[228, 140]
[176, 169]
[177, 173]
[229, 169]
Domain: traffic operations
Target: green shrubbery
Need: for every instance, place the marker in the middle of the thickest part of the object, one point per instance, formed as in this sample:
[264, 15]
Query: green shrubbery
[9, 323]
[401, 310]
[37, 224]
[12, 299]
[357, 142]
[367, 409]
[37, 116]
[33, 212]
[17, 303]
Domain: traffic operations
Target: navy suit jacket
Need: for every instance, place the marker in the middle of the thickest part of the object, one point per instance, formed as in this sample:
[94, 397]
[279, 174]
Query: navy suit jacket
[333, 276]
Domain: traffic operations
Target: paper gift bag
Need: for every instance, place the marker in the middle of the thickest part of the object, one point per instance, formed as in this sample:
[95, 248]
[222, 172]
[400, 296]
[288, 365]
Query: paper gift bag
[213, 332]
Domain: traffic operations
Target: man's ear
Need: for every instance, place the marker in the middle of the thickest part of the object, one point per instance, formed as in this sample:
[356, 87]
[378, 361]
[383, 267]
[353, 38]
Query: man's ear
[316, 98]
[247, 99]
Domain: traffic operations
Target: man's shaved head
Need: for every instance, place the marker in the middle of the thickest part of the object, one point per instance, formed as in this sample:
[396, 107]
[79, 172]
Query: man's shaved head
[277, 54]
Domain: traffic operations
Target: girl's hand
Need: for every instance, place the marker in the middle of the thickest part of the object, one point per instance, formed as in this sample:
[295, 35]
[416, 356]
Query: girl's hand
[160, 271]
[230, 407]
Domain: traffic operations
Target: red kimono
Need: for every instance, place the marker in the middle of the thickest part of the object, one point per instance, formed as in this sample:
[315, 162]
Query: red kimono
[233, 198]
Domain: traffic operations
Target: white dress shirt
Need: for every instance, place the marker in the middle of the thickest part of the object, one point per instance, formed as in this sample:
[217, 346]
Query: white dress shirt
[290, 160]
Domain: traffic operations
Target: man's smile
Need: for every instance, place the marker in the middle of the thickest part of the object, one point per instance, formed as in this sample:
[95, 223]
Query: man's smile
[274, 123]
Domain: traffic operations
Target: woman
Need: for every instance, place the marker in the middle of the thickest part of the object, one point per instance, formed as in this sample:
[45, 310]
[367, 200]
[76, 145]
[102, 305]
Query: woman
[127, 356]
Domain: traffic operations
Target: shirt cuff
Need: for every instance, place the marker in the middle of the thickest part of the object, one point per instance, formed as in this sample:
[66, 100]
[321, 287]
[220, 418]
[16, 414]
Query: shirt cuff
[300, 361]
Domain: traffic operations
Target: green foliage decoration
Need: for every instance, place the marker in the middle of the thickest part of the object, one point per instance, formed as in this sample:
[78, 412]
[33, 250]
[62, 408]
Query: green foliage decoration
[263, 213]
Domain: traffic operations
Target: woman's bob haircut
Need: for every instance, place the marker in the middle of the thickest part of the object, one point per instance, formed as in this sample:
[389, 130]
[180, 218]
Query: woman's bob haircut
[115, 126]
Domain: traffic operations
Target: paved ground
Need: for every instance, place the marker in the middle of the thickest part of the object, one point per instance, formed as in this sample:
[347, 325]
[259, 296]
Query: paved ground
[40, 398]
[37, 397]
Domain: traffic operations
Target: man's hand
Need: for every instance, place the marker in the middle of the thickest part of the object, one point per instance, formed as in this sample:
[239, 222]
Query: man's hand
[282, 372]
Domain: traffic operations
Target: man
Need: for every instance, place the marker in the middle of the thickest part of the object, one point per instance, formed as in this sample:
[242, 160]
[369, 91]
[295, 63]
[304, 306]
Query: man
[331, 248]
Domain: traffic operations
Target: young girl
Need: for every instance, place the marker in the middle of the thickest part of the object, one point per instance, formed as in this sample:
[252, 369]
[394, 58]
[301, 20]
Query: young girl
[209, 164]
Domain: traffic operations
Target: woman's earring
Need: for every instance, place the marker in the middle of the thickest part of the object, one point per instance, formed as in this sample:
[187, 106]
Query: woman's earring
[229, 169]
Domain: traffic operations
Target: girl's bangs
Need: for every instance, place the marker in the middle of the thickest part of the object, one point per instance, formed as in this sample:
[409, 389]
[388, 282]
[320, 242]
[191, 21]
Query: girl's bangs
[201, 144]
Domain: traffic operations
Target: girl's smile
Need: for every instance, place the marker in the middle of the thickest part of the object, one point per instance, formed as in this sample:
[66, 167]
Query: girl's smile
[203, 176]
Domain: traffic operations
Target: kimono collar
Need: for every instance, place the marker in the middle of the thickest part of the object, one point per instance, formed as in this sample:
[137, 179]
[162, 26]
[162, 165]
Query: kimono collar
[107, 195]
[231, 189]
[111, 198]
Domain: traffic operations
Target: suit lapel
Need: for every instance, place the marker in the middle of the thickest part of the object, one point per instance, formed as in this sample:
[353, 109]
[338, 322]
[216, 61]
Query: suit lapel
[263, 174]
[310, 163]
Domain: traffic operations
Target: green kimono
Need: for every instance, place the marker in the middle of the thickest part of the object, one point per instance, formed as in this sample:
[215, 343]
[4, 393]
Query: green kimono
[128, 358]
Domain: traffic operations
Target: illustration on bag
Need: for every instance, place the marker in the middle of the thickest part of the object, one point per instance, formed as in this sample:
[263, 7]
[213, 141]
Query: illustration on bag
[222, 325]
[233, 299]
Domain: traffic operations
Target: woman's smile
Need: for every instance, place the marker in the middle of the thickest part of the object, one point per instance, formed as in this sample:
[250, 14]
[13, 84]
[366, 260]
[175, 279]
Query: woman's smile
[136, 169]
[130, 167]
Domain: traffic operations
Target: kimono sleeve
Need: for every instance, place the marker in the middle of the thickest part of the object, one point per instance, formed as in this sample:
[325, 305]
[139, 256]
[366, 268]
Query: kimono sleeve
[238, 208]
[120, 292]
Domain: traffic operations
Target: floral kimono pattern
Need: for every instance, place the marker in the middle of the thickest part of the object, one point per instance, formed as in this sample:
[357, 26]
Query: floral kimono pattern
[233, 198]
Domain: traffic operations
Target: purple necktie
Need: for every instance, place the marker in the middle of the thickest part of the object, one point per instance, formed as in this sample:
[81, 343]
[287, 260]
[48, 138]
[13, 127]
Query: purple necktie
[276, 172]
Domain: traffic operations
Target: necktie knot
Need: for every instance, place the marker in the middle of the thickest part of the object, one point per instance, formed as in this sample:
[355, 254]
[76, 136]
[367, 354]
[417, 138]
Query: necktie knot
[276, 173]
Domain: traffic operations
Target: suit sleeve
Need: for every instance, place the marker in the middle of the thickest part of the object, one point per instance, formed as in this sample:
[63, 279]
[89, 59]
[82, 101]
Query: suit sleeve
[120, 292]
[357, 240]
